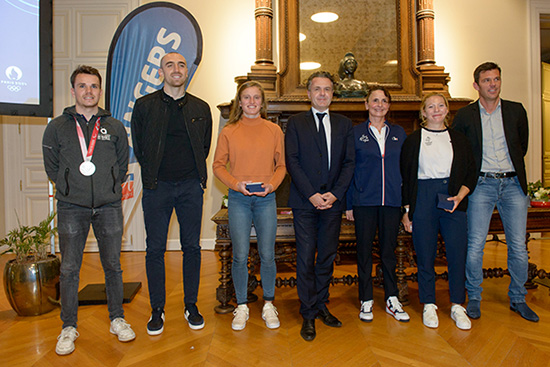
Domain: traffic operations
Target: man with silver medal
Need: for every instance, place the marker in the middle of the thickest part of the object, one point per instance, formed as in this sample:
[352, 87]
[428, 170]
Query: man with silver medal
[86, 157]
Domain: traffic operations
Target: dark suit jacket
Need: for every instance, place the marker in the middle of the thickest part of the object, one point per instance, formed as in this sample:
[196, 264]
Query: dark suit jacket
[516, 130]
[303, 159]
[463, 171]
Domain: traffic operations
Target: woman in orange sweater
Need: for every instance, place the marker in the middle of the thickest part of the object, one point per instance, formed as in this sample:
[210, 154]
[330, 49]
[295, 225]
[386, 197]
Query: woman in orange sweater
[254, 149]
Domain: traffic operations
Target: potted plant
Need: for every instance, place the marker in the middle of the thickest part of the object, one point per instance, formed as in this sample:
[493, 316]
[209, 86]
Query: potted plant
[31, 280]
[539, 195]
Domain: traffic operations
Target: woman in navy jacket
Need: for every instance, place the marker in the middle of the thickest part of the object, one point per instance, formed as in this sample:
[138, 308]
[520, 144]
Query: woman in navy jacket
[438, 169]
[374, 200]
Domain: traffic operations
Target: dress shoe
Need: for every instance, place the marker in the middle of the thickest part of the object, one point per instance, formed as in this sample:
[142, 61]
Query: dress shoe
[524, 311]
[473, 309]
[328, 319]
[308, 330]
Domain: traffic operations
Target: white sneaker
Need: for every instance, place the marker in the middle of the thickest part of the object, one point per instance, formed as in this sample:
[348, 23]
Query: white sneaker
[458, 314]
[429, 316]
[240, 317]
[269, 314]
[395, 308]
[65, 341]
[366, 311]
[122, 329]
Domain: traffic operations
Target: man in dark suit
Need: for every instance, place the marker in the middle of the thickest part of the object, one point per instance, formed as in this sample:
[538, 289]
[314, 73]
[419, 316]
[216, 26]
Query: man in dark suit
[498, 132]
[321, 163]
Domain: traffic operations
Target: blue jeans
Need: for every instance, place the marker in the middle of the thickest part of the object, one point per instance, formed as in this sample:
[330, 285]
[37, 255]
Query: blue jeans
[242, 211]
[512, 203]
[158, 205]
[73, 224]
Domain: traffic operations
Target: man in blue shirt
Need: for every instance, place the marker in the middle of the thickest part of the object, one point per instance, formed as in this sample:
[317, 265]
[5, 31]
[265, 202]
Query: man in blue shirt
[498, 131]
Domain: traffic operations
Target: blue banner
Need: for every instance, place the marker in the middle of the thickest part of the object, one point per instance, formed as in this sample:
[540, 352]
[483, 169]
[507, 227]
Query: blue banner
[141, 40]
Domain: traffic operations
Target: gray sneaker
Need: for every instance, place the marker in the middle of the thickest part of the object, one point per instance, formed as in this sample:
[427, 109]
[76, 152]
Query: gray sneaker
[65, 341]
[122, 329]
[240, 317]
[269, 314]
[458, 314]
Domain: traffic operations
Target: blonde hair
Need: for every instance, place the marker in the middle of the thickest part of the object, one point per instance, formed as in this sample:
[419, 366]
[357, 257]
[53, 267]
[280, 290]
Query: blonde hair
[237, 111]
[423, 120]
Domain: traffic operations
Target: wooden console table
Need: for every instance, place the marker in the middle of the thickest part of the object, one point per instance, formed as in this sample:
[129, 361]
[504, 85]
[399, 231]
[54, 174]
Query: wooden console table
[538, 220]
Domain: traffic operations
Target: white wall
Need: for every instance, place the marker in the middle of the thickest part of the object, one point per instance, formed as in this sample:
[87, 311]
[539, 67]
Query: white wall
[470, 32]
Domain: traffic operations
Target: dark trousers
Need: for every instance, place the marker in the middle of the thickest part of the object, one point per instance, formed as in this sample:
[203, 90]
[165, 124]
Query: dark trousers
[428, 220]
[367, 220]
[315, 230]
[73, 224]
[186, 198]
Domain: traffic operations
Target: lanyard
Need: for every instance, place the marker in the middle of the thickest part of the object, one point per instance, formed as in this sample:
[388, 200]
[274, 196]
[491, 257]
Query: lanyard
[87, 153]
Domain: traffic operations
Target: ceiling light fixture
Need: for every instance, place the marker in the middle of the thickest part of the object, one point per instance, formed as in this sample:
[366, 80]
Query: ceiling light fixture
[324, 17]
[301, 37]
[309, 65]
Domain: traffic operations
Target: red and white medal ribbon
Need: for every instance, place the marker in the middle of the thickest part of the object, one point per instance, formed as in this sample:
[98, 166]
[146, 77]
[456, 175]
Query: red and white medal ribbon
[87, 168]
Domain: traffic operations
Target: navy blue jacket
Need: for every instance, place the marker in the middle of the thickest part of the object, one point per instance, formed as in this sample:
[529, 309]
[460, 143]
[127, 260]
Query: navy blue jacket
[376, 180]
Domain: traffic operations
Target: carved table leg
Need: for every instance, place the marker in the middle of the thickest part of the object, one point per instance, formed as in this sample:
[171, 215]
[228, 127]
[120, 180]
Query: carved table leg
[400, 255]
[532, 268]
[252, 285]
[531, 274]
[253, 261]
[224, 292]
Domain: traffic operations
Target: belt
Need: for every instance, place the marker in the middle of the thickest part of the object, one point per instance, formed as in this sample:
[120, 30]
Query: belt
[497, 174]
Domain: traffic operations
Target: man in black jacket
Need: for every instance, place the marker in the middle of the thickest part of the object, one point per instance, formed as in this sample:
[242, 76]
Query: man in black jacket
[86, 156]
[499, 133]
[171, 135]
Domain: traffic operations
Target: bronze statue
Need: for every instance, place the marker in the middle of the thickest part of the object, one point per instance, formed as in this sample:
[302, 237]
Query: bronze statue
[348, 86]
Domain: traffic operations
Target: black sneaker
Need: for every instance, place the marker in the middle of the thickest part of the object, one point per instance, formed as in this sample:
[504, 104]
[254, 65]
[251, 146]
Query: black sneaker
[193, 317]
[155, 326]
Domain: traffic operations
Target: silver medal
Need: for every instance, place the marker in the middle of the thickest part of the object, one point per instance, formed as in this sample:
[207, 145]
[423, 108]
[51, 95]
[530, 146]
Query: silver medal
[87, 168]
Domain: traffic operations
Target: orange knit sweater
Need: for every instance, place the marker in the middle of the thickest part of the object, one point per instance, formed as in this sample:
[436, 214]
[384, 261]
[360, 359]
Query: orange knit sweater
[254, 149]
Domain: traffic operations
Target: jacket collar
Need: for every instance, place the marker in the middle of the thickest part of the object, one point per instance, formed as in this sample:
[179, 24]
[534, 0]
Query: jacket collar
[168, 99]
[71, 111]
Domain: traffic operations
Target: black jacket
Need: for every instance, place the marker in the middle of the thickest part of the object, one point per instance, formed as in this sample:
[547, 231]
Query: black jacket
[62, 159]
[463, 171]
[516, 131]
[150, 125]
